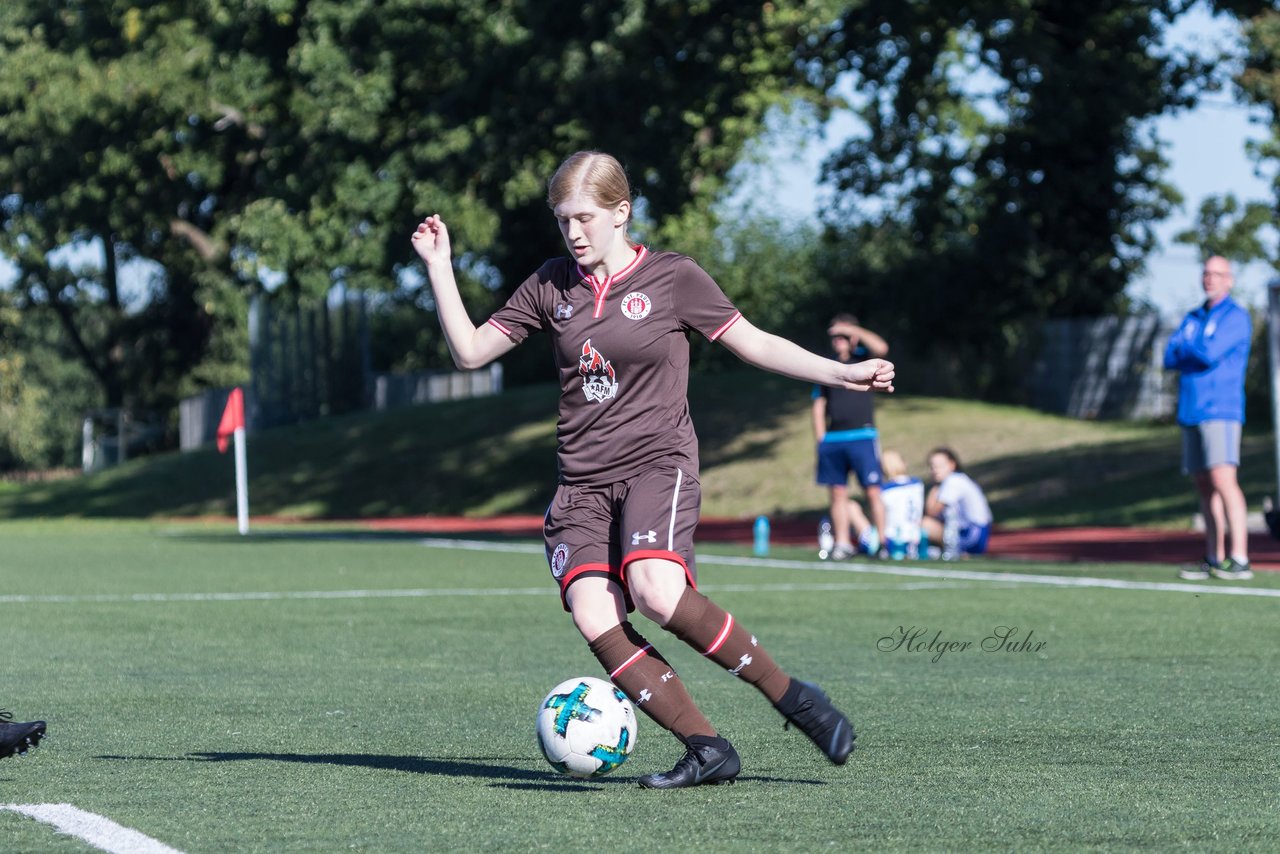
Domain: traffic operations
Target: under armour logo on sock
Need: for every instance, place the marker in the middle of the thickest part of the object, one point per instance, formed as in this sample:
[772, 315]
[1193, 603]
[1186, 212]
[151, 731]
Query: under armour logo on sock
[644, 695]
[745, 660]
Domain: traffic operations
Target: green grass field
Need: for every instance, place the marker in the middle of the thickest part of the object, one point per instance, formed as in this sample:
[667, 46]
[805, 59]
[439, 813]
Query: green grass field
[295, 691]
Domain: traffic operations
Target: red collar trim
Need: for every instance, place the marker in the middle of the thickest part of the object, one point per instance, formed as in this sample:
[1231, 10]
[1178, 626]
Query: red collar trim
[600, 287]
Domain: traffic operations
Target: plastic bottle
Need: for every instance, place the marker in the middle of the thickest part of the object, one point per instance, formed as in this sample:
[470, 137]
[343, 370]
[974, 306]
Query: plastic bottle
[896, 545]
[950, 535]
[760, 536]
[826, 539]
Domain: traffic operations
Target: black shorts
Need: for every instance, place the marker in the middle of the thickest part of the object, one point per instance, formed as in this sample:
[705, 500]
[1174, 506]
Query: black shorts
[599, 530]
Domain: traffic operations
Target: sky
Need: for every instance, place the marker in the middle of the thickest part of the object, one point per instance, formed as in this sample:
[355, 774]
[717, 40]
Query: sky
[1205, 149]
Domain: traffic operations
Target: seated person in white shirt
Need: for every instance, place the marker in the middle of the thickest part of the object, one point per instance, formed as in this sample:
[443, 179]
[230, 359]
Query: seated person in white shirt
[903, 499]
[957, 498]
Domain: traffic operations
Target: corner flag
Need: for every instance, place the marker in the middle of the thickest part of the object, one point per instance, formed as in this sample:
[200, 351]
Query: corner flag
[232, 424]
[232, 418]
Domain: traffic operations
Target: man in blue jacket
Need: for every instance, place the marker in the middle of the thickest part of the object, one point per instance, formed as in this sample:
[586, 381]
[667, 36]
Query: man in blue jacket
[1210, 350]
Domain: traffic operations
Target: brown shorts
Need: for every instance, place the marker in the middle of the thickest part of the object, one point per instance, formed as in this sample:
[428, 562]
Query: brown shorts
[599, 530]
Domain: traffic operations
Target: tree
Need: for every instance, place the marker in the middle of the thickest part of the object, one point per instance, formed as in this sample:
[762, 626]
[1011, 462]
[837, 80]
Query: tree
[43, 393]
[292, 145]
[1227, 227]
[1259, 83]
[1006, 174]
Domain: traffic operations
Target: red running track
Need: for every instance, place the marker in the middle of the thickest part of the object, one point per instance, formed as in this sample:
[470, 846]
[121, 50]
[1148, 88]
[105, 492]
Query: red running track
[1087, 545]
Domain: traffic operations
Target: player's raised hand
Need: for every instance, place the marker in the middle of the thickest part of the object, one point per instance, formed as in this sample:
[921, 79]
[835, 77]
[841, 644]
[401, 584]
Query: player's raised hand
[870, 375]
[431, 241]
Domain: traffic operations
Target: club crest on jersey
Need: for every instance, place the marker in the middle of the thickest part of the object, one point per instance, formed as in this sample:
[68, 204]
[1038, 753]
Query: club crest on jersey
[599, 383]
[559, 560]
[636, 305]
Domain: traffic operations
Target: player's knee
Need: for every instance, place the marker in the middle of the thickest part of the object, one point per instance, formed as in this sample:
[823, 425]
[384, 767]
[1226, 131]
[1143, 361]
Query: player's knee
[592, 625]
[656, 587]
[594, 607]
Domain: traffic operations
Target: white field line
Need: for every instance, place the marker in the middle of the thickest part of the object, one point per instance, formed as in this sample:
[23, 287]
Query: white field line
[428, 592]
[897, 568]
[98, 831]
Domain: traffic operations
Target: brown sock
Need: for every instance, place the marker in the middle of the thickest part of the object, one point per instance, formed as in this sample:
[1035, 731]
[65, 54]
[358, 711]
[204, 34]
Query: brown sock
[712, 631]
[644, 676]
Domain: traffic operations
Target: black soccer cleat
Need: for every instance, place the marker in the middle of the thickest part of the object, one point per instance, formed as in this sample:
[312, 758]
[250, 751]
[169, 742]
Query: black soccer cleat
[826, 726]
[18, 737]
[701, 765]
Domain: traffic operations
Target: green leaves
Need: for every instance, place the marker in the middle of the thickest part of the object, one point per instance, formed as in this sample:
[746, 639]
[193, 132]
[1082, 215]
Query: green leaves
[1006, 155]
[229, 146]
[1227, 227]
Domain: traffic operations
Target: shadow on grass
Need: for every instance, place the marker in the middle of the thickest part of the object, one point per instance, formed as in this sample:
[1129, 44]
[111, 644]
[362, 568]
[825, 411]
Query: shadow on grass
[478, 767]
[1133, 482]
[362, 535]
[484, 456]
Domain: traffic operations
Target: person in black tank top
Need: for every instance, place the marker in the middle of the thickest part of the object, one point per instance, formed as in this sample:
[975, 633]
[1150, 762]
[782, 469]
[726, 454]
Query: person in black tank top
[847, 442]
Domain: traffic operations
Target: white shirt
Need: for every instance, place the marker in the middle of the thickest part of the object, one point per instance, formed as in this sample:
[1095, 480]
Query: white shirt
[959, 492]
[903, 499]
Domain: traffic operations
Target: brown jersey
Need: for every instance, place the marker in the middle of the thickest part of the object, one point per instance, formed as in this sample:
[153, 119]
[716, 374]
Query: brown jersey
[621, 351]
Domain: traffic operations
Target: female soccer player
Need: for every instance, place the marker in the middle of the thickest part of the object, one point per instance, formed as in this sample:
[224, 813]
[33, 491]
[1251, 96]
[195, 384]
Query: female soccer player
[619, 532]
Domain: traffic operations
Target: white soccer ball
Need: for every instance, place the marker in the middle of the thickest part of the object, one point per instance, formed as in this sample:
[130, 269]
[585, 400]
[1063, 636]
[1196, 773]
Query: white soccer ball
[586, 727]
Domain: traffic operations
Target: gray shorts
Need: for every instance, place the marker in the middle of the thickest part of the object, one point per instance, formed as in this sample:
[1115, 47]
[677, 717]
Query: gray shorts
[1209, 444]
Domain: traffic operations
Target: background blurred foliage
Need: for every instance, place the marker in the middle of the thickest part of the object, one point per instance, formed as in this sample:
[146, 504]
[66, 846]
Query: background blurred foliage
[166, 161]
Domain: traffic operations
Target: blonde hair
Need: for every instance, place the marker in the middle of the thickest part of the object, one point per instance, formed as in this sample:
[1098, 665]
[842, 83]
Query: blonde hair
[596, 175]
[893, 465]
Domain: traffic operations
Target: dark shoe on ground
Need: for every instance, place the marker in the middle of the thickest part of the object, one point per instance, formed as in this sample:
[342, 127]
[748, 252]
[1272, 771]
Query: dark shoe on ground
[702, 765]
[18, 737]
[1232, 570]
[826, 726]
[1198, 573]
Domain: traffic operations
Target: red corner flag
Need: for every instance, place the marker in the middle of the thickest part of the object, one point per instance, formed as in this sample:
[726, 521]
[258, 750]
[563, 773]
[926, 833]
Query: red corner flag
[232, 418]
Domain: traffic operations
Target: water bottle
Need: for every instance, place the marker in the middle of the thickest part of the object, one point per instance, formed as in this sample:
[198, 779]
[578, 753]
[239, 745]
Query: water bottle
[950, 535]
[826, 539]
[896, 544]
[760, 536]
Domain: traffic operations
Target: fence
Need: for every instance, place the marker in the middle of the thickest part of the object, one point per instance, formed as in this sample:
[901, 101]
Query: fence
[199, 415]
[307, 360]
[307, 364]
[108, 437]
[391, 390]
[1107, 367]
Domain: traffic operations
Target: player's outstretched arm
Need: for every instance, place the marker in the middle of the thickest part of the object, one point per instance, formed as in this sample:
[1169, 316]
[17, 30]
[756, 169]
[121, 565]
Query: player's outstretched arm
[773, 353]
[470, 346]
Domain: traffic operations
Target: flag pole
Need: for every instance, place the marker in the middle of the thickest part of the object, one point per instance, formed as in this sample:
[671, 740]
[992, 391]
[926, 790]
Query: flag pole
[232, 425]
[242, 483]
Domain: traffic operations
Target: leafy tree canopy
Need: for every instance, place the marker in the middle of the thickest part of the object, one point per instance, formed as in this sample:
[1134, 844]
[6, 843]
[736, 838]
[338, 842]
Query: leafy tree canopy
[1007, 171]
[235, 145]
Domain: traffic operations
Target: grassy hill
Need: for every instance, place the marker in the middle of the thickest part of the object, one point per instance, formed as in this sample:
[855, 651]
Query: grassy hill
[497, 455]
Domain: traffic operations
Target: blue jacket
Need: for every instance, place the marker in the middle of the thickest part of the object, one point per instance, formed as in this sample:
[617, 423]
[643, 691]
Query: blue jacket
[1211, 350]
